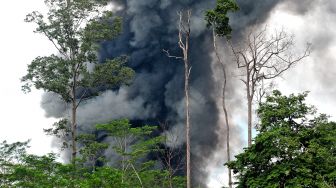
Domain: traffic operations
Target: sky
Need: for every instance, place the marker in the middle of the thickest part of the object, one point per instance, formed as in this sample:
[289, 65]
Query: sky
[22, 117]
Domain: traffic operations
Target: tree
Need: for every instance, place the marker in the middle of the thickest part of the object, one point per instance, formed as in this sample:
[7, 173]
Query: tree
[263, 57]
[75, 28]
[9, 154]
[171, 155]
[44, 171]
[92, 152]
[132, 145]
[184, 32]
[19, 169]
[219, 21]
[293, 149]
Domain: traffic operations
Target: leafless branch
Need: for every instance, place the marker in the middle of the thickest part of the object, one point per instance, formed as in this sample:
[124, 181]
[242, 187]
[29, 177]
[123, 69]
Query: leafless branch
[171, 56]
[263, 57]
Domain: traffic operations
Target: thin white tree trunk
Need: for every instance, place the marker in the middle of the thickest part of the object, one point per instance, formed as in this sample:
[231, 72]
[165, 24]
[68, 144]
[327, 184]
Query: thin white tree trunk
[228, 153]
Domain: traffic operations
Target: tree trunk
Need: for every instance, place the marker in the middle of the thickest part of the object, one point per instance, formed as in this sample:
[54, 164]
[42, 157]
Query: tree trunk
[186, 90]
[228, 152]
[249, 120]
[227, 126]
[74, 127]
[249, 96]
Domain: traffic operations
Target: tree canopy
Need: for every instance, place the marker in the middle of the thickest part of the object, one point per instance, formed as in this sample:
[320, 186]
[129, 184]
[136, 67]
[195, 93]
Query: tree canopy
[219, 18]
[294, 147]
[75, 28]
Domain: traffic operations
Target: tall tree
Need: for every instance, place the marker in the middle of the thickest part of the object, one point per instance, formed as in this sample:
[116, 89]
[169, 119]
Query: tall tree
[219, 21]
[184, 32]
[75, 28]
[263, 57]
[293, 149]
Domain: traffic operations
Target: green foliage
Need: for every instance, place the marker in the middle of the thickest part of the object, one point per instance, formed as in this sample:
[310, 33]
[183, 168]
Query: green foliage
[75, 28]
[291, 150]
[133, 143]
[61, 130]
[92, 151]
[10, 154]
[19, 169]
[36, 172]
[218, 17]
[115, 67]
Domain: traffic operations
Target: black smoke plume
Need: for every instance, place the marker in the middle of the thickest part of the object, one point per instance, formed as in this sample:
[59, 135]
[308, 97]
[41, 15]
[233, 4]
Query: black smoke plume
[157, 91]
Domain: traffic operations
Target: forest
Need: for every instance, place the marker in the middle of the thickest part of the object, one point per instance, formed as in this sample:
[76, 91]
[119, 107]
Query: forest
[147, 92]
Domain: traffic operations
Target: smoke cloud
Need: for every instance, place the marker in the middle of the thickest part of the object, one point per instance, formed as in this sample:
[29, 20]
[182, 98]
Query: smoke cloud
[157, 91]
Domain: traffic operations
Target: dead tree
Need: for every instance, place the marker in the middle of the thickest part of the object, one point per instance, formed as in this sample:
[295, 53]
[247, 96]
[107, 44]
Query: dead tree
[183, 43]
[222, 64]
[171, 154]
[263, 57]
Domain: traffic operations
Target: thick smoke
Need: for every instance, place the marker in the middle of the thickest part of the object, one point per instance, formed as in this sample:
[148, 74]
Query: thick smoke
[157, 91]
[317, 26]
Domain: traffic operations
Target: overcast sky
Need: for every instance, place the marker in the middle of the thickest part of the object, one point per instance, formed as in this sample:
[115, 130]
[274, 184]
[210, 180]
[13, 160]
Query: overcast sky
[21, 117]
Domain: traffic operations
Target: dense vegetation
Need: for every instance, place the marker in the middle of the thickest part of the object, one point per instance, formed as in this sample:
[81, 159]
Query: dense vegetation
[19, 169]
[294, 147]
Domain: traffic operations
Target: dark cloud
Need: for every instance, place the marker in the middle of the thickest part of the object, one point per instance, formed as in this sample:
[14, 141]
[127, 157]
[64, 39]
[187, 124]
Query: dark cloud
[157, 92]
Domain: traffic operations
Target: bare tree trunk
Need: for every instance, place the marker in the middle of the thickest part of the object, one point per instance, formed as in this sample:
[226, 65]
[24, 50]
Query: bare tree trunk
[184, 36]
[264, 57]
[249, 104]
[186, 90]
[249, 109]
[185, 30]
[249, 120]
[170, 155]
[228, 153]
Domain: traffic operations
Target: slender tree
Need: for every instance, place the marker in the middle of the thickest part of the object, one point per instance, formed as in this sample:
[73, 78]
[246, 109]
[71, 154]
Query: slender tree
[184, 32]
[171, 154]
[219, 21]
[263, 57]
[75, 28]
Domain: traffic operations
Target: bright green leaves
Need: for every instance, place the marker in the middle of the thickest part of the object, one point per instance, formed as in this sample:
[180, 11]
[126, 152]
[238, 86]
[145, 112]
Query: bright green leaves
[290, 150]
[51, 74]
[44, 171]
[112, 73]
[103, 28]
[92, 151]
[9, 155]
[132, 143]
[287, 111]
[218, 17]
[75, 28]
